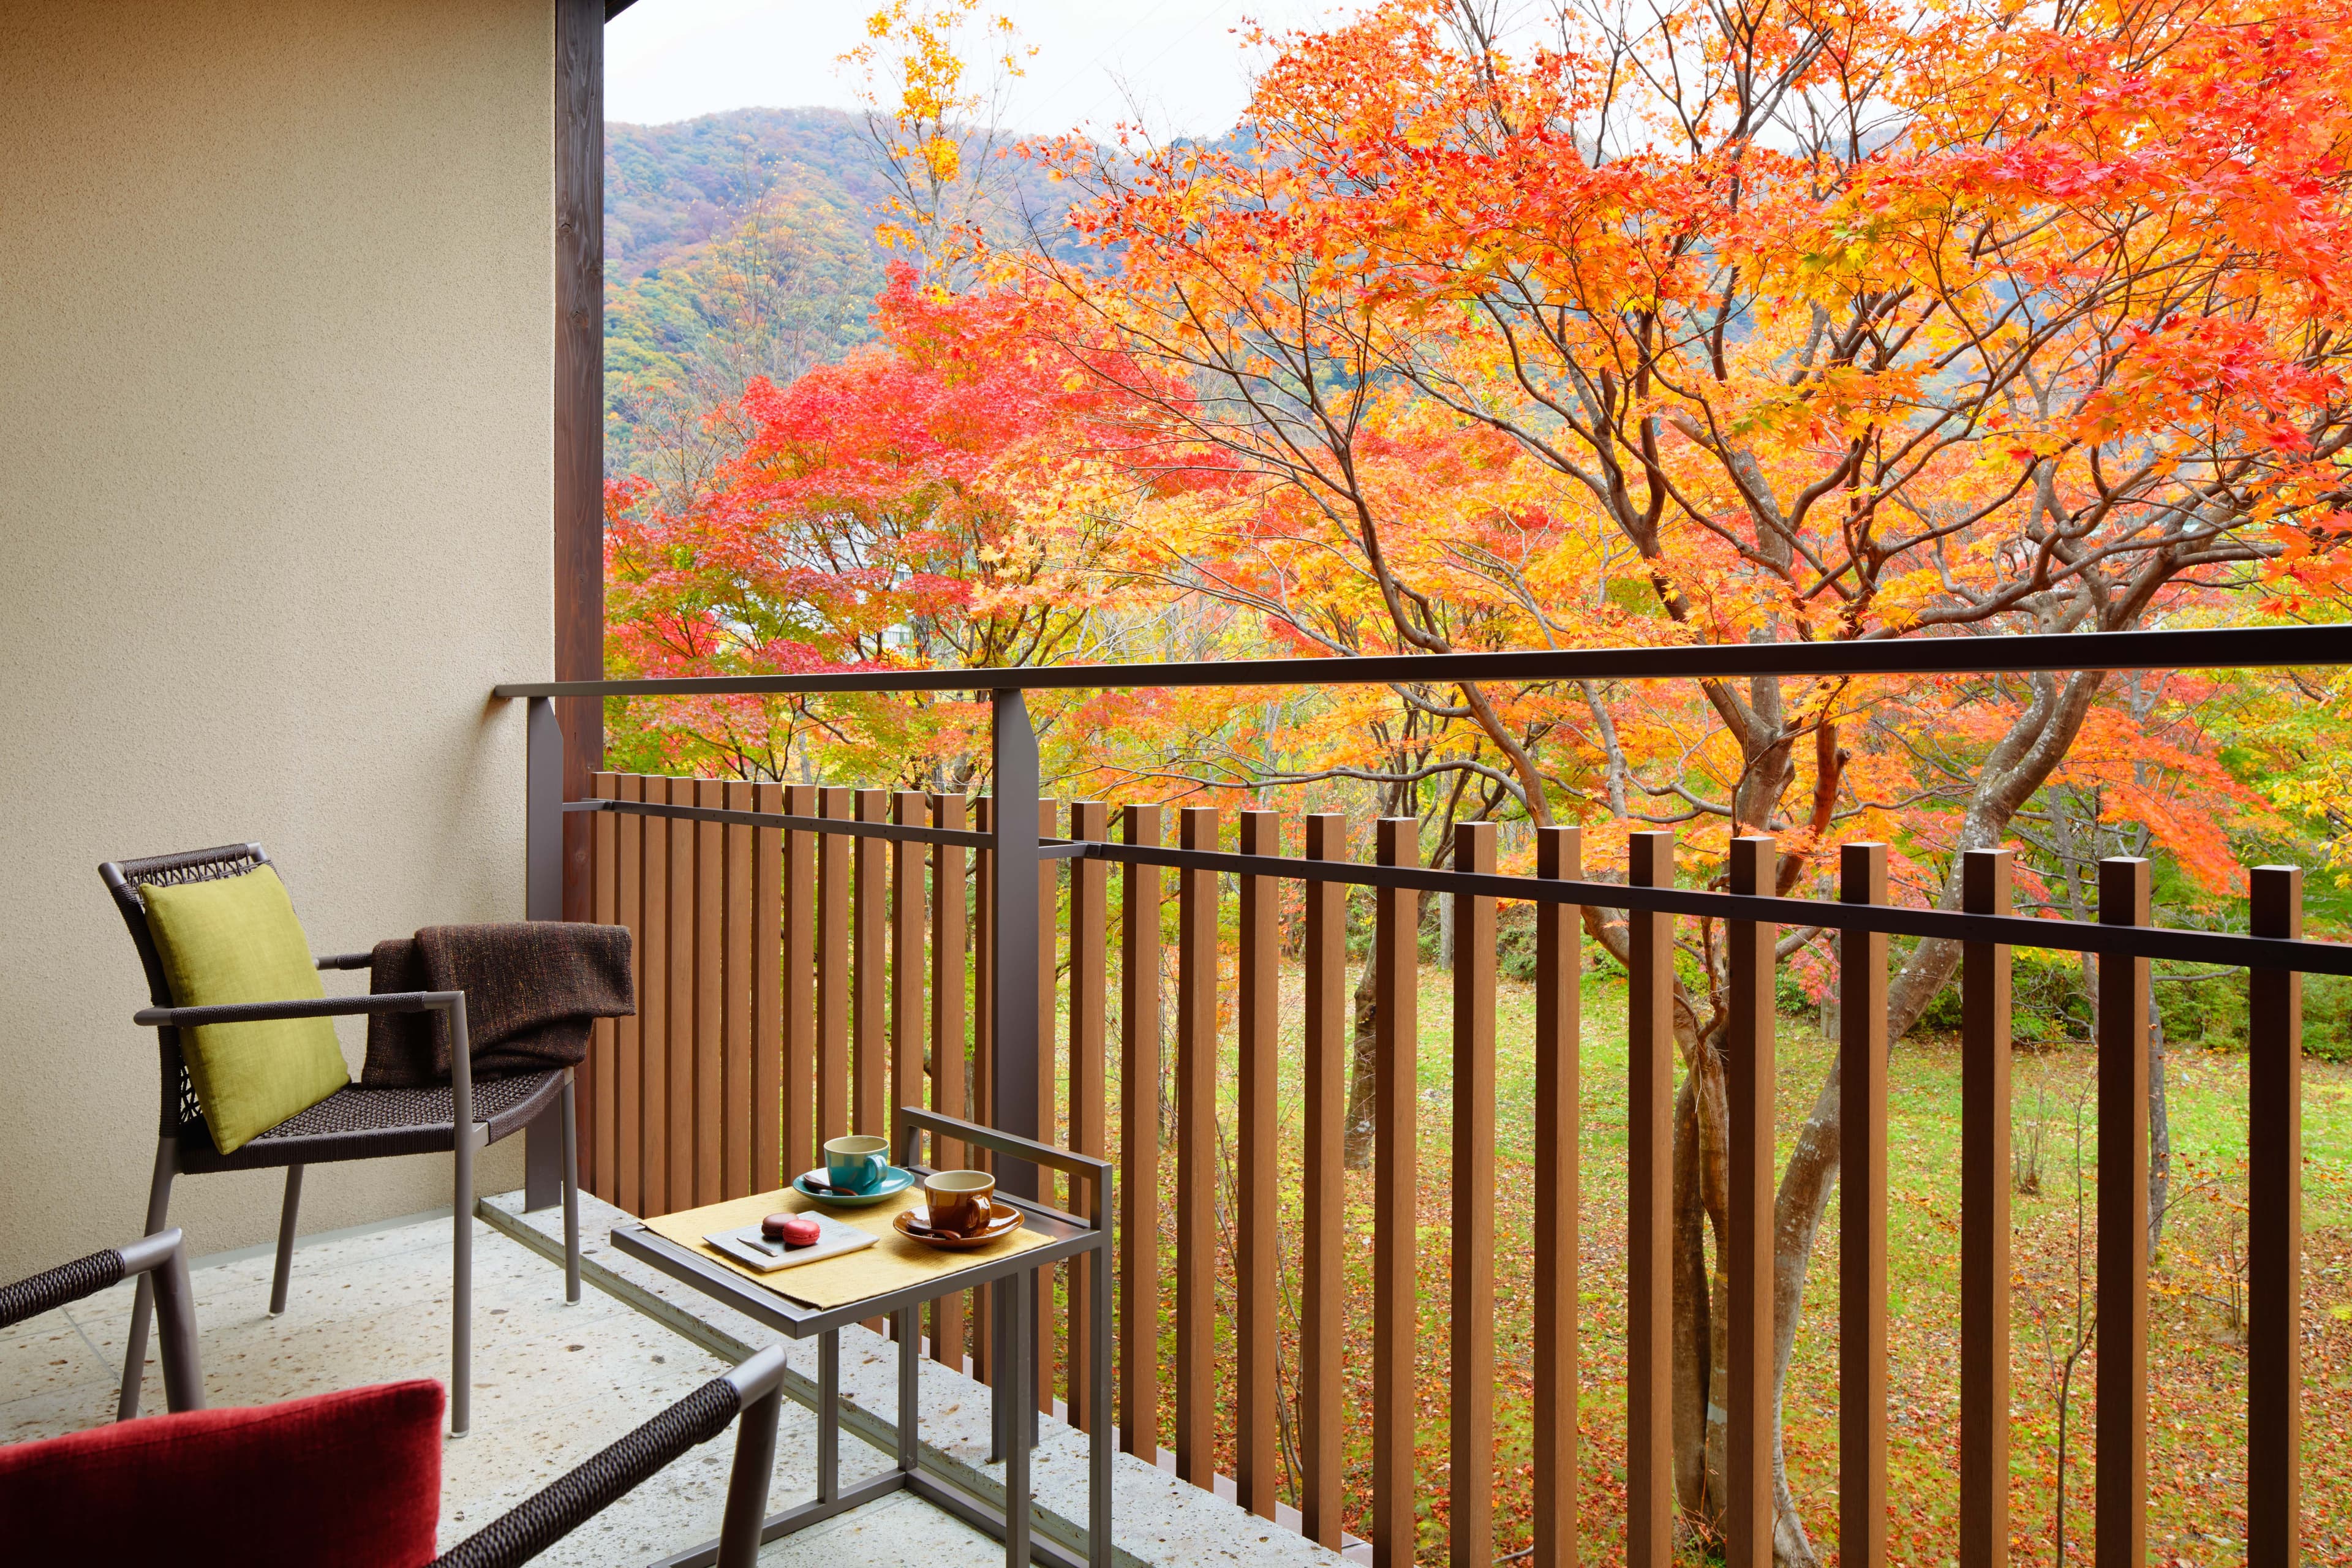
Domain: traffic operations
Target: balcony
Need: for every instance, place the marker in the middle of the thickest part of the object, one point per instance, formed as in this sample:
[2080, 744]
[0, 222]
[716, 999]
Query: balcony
[1463, 1350]
[1432, 1321]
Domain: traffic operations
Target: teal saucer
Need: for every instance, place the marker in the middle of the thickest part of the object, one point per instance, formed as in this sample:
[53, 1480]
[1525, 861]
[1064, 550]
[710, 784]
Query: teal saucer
[895, 1180]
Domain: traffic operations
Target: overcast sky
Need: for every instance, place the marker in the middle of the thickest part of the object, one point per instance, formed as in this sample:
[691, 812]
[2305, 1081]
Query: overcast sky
[673, 59]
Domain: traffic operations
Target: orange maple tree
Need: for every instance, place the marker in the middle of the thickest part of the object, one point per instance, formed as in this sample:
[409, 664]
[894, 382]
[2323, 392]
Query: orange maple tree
[936, 499]
[1789, 320]
[1798, 320]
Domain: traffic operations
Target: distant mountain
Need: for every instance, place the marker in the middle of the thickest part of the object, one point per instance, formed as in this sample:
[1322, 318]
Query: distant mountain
[735, 245]
[669, 188]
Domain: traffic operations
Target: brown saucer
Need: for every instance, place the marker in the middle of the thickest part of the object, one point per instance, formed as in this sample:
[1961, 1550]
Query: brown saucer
[914, 1224]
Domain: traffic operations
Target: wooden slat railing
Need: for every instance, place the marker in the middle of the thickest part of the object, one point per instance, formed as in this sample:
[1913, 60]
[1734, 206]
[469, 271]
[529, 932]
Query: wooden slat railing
[950, 1033]
[1139, 1119]
[799, 962]
[833, 873]
[1396, 1128]
[623, 1181]
[1649, 1221]
[1257, 1179]
[1046, 1315]
[1471, 1513]
[1196, 1154]
[1559, 855]
[653, 1006]
[1089, 1033]
[983, 1051]
[870, 1103]
[1322, 1369]
[764, 935]
[796, 984]
[680, 995]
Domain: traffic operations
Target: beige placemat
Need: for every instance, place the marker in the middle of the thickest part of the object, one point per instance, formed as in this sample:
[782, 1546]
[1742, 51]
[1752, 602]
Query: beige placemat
[889, 1264]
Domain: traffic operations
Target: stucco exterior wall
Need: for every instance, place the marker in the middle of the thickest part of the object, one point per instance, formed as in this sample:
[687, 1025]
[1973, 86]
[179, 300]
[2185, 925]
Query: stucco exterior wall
[276, 353]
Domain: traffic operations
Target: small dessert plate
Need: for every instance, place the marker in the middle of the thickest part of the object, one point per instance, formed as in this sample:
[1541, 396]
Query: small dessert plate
[812, 1185]
[914, 1224]
[746, 1246]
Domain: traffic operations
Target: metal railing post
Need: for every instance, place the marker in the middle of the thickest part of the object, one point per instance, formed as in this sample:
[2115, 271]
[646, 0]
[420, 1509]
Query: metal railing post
[1013, 1007]
[1014, 999]
[542, 1183]
[543, 813]
[2275, 1231]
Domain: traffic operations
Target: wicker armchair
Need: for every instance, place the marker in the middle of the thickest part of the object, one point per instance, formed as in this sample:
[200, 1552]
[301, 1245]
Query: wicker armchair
[157, 1458]
[354, 1124]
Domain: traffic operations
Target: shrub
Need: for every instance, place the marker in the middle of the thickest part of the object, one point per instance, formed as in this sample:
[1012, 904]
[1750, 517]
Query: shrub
[2327, 1018]
[1515, 943]
[1788, 996]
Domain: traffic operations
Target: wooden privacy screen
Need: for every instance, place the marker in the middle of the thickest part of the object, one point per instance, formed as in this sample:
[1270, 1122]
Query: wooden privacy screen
[793, 986]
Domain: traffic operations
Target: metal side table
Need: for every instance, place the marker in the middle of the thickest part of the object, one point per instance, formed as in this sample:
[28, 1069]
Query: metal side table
[1014, 1399]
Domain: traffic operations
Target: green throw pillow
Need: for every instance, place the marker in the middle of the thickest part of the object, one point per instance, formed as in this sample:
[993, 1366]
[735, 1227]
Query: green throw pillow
[236, 939]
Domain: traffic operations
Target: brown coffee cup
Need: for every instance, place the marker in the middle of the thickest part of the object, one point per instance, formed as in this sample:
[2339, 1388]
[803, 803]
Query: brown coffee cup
[962, 1203]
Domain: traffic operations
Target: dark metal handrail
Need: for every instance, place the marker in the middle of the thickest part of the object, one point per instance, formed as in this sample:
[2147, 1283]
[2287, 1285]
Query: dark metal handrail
[2240, 647]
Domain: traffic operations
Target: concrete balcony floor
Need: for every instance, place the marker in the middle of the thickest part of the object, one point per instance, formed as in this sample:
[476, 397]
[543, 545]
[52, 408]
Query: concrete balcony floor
[555, 1383]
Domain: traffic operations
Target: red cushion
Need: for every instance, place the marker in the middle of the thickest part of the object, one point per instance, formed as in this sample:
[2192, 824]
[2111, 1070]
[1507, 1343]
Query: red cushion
[351, 1478]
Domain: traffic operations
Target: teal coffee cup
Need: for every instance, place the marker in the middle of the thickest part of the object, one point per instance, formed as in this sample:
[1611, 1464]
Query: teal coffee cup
[857, 1163]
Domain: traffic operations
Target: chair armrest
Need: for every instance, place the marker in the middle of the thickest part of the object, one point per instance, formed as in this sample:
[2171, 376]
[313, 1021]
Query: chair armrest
[461, 1053]
[301, 1007]
[754, 1389]
[58, 1286]
[346, 961]
[166, 1255]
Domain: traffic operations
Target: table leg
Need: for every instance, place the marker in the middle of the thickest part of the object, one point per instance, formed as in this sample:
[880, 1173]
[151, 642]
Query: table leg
[1098, 1451]
[910, 1362]
[828, 1415]
[1001, 1399]
[1021, 1388]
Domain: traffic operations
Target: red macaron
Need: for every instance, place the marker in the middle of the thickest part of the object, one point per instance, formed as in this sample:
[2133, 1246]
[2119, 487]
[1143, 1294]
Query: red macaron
[791, 1229]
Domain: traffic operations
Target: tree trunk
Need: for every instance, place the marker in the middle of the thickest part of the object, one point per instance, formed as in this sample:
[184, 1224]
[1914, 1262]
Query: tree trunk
[1363, 1074]
[2018, 766]
[2160, 1129]
[1695, 1355]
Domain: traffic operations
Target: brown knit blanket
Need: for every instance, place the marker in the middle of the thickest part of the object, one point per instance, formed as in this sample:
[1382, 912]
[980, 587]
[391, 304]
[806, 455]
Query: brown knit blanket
[534, 989]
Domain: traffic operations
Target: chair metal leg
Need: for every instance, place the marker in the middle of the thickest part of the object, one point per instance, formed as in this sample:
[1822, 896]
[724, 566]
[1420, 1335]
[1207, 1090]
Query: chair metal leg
[134, 1349]
[175, 1315]
[461, 1288]
[746, 1487]
[287, 1218]
[570, 1192]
